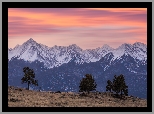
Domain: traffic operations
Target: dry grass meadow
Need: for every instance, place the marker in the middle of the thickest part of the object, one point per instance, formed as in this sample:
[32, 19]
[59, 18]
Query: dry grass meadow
[18, 97]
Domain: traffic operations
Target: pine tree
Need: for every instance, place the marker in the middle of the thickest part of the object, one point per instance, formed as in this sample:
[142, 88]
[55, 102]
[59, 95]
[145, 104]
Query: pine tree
[29, 77]
[118, 85]
[87, 84]
[109, 86]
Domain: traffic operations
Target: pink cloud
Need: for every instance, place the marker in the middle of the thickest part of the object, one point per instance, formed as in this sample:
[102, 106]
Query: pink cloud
[68, 26]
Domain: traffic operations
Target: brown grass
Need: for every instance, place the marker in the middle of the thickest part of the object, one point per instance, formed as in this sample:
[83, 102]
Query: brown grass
[18, 97]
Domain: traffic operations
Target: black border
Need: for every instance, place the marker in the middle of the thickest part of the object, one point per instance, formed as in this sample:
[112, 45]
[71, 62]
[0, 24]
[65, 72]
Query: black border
[6, 5]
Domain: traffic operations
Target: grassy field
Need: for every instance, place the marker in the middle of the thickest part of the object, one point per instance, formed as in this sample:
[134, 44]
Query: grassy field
[18, 97]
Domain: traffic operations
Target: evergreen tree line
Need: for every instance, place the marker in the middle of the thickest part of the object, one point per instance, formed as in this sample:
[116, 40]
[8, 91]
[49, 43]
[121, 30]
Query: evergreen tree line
[87, 84]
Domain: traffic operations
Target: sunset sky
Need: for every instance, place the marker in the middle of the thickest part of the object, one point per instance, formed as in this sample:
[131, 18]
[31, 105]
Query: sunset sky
[88, 28]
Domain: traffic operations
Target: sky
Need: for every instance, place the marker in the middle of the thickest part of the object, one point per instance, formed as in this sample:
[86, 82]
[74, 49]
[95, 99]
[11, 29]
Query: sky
[89, 28]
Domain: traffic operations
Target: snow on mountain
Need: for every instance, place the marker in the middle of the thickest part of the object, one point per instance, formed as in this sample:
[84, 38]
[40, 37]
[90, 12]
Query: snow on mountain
[57, 55]
[140, 45]
[121, 50]
[137, 51]
[107, 47]
[140, 51]
[13, 52]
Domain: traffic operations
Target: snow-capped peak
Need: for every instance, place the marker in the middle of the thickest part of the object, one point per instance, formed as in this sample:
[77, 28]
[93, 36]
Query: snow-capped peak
[107, 47]
[124, 46]
[137, 51]
[9, 49]
[58, 55]
[140, 45]
[73, 46]
[30, 41]
[17, 46]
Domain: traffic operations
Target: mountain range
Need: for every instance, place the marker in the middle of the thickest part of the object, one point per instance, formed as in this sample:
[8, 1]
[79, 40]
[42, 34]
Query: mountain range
[62, 67]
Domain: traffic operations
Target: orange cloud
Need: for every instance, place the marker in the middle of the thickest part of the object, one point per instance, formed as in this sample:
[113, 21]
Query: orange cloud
[78, 23]
[78, 20]
[120, 9]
